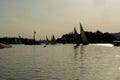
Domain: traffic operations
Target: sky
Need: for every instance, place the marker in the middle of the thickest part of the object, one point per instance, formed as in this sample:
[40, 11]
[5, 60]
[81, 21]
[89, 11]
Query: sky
[58, 17]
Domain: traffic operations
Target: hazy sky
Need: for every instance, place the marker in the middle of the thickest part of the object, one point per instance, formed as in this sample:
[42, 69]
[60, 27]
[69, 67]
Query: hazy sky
[47, 17]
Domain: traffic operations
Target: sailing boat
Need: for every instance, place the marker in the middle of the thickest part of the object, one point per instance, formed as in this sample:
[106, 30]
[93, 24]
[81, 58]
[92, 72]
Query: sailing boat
[84, 40]
[76, 39]
[53, 41]
[47, 41]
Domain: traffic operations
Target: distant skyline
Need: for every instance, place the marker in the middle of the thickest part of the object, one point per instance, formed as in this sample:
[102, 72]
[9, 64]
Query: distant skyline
[48, 17]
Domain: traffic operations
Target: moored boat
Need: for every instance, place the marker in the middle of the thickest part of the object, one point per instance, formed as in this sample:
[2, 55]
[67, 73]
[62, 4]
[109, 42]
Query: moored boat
[116, 43]
[2, 45]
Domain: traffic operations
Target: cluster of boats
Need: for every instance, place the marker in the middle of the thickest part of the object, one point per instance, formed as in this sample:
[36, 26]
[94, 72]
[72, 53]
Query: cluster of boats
[83, 40]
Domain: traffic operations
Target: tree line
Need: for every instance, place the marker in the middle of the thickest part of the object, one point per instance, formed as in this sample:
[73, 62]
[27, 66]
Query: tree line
[93, 37]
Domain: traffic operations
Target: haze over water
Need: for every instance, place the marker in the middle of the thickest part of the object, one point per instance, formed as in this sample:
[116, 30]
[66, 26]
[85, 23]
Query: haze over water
[60, 62]
[22, 18]
[47, 17]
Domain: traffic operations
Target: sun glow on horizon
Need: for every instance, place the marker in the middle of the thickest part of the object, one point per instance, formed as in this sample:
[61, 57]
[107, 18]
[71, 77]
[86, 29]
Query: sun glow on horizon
[47, 17]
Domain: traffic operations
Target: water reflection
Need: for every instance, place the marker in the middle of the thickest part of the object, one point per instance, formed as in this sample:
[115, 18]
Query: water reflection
[79, 61]
[82, 51]
[75, 53]
[59, 62]
[79, 52]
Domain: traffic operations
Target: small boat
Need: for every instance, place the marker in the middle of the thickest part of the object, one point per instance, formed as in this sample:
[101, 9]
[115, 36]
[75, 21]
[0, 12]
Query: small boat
[44, 46]
[116, 43]
[2, 45]
[53, 41]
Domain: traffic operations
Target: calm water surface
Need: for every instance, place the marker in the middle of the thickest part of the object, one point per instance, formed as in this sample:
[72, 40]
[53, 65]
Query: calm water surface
[60, 62]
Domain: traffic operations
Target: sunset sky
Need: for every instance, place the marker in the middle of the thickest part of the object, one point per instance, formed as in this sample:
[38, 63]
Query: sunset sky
[47, 17]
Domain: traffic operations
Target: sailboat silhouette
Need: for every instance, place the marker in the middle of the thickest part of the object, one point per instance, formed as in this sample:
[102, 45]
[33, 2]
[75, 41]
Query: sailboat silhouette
[84, 39]
[53, 41]
[76, 38]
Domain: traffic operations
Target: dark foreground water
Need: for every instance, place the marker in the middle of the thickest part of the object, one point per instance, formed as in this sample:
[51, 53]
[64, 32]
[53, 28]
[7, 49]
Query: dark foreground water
[60, 62]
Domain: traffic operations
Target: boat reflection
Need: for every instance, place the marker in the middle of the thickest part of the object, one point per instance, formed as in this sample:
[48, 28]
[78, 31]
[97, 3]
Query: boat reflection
[79, 56]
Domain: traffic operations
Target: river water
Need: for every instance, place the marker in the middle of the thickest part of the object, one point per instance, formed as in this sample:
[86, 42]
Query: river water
[60, 62]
